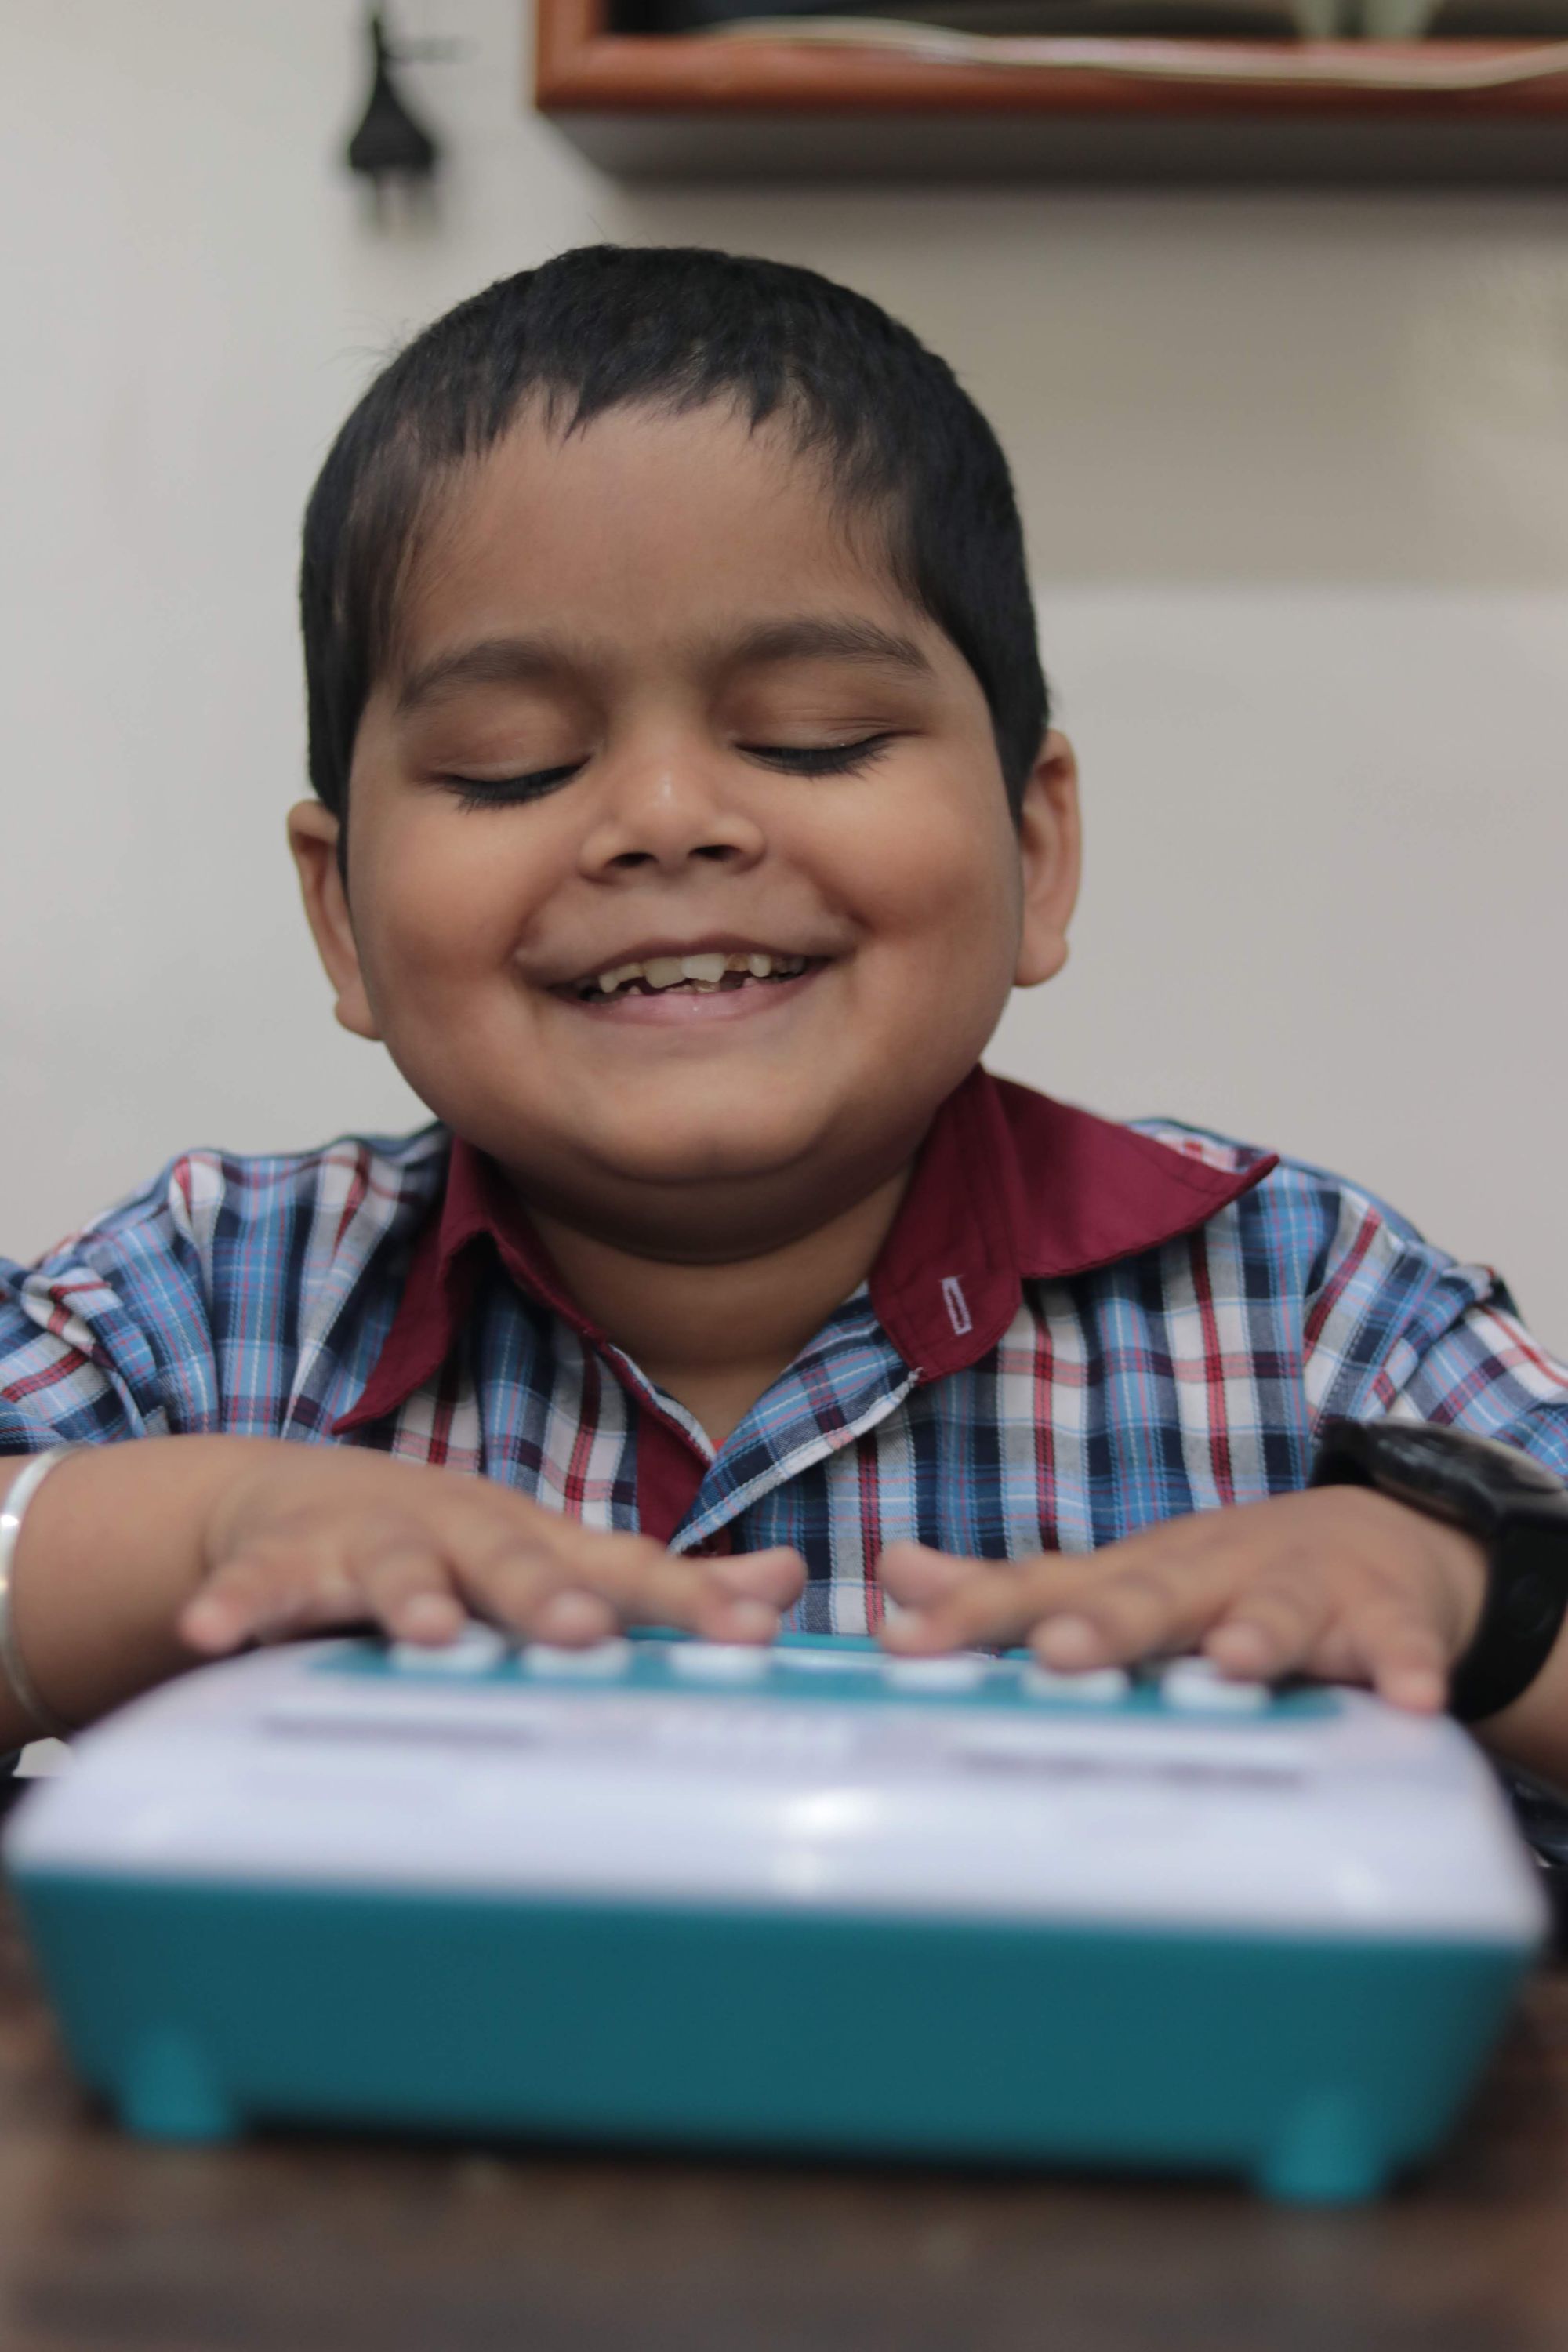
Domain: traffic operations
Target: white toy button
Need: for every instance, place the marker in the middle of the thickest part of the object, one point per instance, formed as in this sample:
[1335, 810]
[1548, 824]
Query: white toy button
[824, 1661]
[934, 1674]
[1196, 1686]
[718, 1662]
[475, 1650]
[1100, 1686]
[601, 1662]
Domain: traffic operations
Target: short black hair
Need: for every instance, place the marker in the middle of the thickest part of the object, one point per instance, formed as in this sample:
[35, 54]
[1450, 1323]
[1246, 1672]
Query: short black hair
[673, 327]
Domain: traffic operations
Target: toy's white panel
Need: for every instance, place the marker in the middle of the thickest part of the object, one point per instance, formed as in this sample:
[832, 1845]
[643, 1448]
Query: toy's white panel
[1364, 1823]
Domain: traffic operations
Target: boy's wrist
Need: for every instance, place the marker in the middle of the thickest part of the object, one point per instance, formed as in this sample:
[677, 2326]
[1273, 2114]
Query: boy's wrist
[111, 1552]
[1507, 1508]
[16, 1680]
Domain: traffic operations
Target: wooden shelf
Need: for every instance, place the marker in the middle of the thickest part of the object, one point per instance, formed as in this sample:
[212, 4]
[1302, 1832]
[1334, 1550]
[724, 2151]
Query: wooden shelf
[678, 107]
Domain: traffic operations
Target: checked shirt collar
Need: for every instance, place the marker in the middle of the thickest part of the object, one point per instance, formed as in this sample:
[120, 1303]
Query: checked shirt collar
[1009, 1186]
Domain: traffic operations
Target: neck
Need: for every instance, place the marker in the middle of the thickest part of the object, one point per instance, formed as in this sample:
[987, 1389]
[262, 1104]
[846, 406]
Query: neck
[716, 1335]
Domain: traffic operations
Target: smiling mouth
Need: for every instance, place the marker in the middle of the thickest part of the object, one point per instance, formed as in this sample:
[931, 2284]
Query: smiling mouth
[708, 974]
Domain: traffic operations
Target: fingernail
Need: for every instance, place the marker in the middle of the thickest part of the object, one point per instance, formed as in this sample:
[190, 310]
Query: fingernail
[1238, 1645]
[1416, 1689]
[210, 1626]
[574, 1616]
[1068, 1642]
[751, 1620]
[432, 1617]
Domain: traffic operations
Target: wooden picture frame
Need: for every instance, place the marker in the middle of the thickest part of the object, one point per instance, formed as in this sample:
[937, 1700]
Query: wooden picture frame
[692, 106]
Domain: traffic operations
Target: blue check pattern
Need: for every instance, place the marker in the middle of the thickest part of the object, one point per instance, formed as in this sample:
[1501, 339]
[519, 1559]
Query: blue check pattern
[254, 1297]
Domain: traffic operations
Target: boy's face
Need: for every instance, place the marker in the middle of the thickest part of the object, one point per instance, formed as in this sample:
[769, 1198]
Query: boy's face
[655, 698]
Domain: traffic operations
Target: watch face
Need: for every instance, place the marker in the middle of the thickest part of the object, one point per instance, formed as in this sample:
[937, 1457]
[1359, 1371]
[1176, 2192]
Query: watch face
[1532, 1607]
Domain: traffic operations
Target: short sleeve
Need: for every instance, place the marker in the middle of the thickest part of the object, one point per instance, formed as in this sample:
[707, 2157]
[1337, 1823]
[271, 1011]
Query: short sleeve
[1396, 1328]
[107, 1336]
[235, 1296]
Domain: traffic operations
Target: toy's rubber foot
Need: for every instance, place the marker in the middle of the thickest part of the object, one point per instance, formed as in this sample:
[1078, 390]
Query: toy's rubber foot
[168, 2090]
[1324, 2155]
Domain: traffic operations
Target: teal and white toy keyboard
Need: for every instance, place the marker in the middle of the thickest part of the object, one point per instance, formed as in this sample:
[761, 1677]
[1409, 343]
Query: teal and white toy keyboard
[805, 1898]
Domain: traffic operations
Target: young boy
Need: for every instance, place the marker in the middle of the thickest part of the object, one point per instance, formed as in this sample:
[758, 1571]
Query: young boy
[686, 809]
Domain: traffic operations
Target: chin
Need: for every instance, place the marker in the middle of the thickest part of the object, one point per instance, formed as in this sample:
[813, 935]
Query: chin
[703, 1161]
[738, 1139]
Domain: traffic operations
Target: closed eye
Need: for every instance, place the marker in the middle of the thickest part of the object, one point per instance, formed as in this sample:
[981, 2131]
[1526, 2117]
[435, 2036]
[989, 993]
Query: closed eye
[501, 792]
[796, 759]
[819, 759]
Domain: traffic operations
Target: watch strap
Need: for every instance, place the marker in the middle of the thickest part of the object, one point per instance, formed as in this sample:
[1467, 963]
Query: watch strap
[1514, 1507]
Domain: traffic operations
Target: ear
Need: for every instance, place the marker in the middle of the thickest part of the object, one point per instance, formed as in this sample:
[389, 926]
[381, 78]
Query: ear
[313, 837]
[1050, 845]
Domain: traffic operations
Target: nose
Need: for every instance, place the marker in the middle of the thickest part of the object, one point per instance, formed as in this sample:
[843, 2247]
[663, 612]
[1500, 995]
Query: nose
[669, 805]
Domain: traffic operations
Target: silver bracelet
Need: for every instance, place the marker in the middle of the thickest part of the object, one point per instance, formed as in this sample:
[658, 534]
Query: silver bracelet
[13, 1510]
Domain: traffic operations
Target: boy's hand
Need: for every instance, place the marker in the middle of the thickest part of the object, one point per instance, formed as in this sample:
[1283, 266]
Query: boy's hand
[314, 1538]
[1338, 1582]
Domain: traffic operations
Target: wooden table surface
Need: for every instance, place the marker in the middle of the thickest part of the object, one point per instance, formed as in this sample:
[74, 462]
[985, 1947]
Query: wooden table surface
[312, 2246]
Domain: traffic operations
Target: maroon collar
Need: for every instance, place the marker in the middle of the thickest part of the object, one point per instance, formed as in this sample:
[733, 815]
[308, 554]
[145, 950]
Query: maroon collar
[1009, 1185]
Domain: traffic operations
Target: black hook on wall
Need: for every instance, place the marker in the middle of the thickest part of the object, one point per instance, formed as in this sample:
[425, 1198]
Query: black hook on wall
[392, 147]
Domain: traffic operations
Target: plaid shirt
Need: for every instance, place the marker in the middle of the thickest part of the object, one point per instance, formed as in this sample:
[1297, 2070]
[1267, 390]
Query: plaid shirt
[1074, 1329]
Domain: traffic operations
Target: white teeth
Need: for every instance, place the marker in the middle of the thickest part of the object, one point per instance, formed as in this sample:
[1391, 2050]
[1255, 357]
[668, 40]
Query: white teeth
[704, 971]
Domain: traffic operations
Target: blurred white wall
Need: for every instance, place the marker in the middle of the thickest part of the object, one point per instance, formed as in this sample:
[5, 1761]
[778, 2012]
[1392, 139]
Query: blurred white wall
[1296, 477]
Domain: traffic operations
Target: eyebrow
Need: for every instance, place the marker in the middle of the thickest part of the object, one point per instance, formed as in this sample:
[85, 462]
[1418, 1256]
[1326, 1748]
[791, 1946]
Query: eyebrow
[497, 661]
[827, 640]
[522, 661]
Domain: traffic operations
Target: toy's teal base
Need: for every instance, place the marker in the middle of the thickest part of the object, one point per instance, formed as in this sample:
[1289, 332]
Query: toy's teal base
[1318, 2068]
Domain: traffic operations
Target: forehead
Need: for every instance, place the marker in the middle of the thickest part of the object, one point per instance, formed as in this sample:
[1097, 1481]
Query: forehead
[640, 529]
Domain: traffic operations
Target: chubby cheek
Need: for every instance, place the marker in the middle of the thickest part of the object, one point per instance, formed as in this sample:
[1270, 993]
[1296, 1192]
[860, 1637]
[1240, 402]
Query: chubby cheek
[436, 916]
[939, 896]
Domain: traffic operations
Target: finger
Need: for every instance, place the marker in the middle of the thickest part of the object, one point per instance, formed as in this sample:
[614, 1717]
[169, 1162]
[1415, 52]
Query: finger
[1274, 1624]
[916, 1576]
[776, 1576]
[1170, 1588]
[223, 1611]
[640, 1581]
[649, 1585]
[267, 1591]
[1400, 1651]
[1061, 1601]
[981, 1604]
[1158, 1592]
[1152, 1605]
[731, 1596]
[302, 1578]
[734, 1597]
[407, 1588]
[516, 1583]
[573, 1618]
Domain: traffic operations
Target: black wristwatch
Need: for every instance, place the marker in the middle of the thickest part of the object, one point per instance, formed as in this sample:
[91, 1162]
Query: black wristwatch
[1510, 1502]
